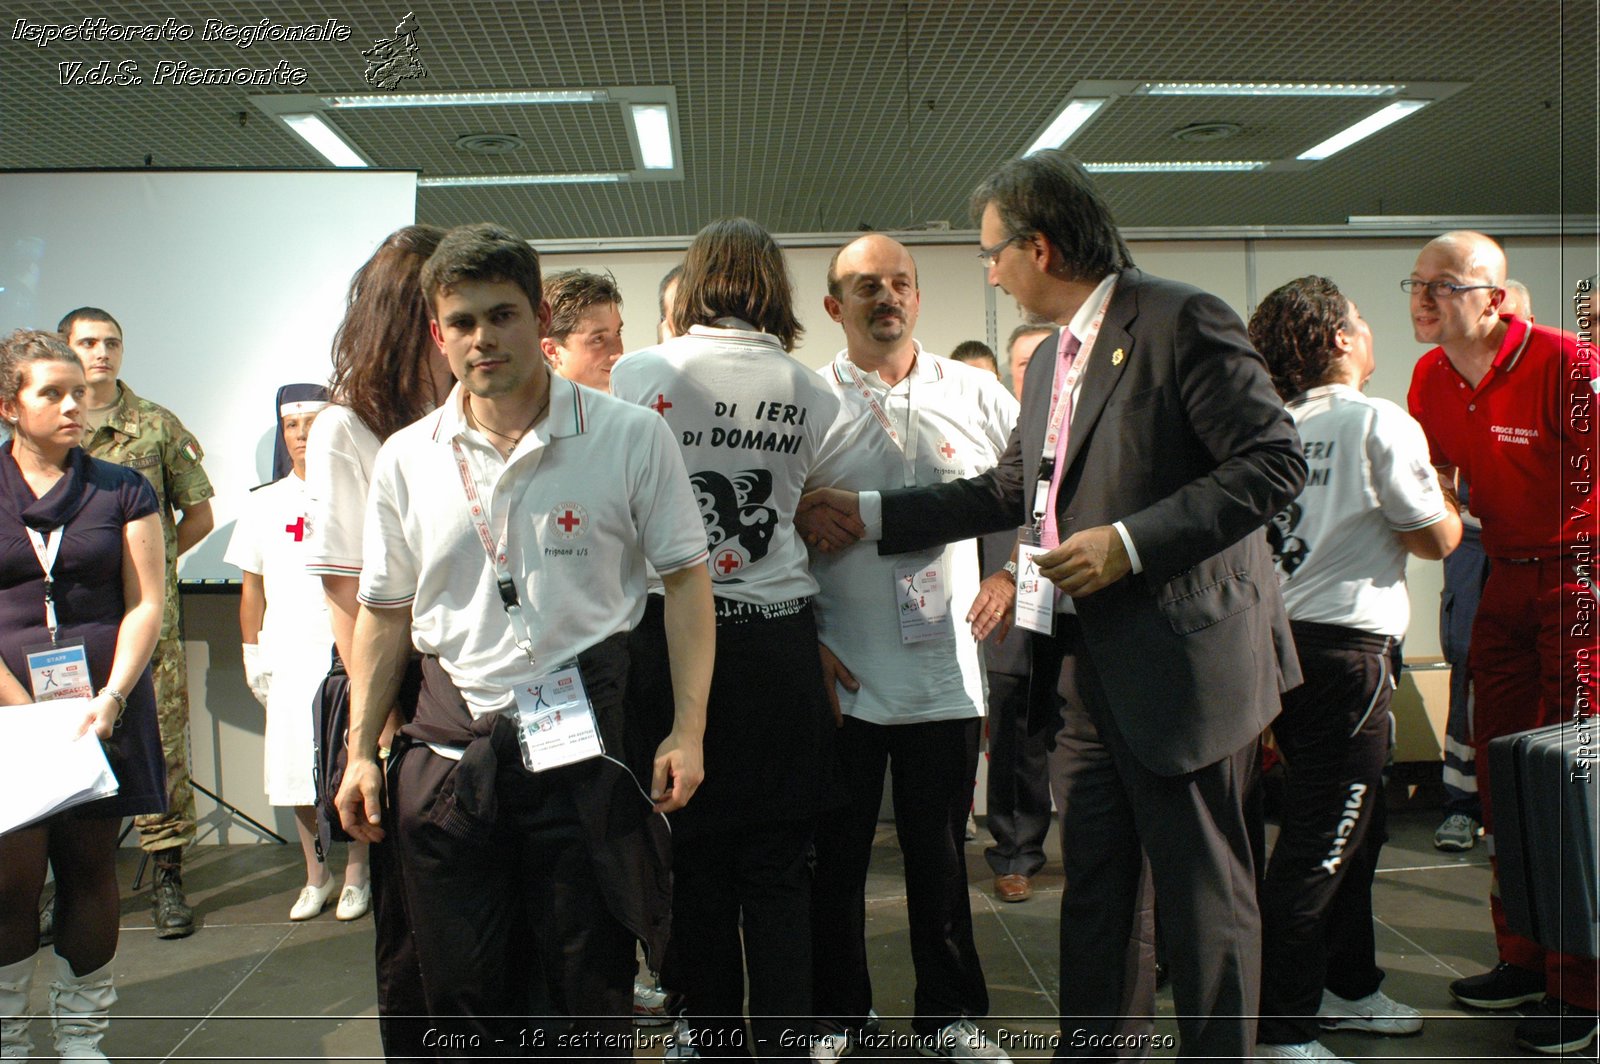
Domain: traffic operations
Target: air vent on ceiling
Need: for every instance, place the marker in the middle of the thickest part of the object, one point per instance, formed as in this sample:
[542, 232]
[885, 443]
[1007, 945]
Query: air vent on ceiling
[1206, 132]
[489, 143]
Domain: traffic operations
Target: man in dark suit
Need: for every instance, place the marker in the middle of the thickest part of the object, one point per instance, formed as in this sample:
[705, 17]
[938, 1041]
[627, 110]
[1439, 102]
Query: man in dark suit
[1170, 644]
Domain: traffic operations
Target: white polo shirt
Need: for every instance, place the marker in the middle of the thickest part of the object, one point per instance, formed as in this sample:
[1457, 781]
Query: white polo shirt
[750, 421]
[956, 420]
[588, 496]
[340, 455]
[1339, 560]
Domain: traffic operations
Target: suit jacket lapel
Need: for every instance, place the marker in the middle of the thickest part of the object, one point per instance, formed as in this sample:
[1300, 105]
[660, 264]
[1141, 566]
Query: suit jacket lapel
[1104, 371]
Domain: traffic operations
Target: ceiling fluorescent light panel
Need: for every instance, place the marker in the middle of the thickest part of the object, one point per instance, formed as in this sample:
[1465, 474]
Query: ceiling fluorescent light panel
[1216, 167]
[1263, 88]
[653, 126]
[498, 180]
[469, 99]
[1065, 125]
[326, 140]
[1362, 129]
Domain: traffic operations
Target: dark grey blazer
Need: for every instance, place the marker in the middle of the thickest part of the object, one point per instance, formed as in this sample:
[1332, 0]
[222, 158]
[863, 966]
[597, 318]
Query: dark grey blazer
[1179, 434]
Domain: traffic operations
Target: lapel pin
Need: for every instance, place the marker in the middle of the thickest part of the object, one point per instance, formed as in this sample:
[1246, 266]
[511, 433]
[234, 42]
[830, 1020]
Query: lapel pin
[1117, 357]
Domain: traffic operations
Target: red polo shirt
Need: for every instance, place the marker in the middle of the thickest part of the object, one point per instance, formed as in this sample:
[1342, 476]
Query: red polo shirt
[1524, 438]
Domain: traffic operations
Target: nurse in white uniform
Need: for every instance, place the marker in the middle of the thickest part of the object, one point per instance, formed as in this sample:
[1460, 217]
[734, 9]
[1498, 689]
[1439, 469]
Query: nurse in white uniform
[288, 639]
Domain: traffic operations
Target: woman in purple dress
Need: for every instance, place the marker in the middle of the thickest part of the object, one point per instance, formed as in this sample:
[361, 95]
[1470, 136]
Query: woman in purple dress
[81, 565]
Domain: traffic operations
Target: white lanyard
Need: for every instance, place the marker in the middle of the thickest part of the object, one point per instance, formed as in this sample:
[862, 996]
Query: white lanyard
[907, 446]
[495, 548]
[47, 547]
[1061, 401]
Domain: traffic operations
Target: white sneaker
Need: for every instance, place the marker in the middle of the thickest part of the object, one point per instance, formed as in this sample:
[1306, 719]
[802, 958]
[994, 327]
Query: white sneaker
[1298, 1051]
[1377, 1013]
[312, 900]
[680, 1043]
[960, 1040]
[354, 902]
[827, 1048]
[649, 1005]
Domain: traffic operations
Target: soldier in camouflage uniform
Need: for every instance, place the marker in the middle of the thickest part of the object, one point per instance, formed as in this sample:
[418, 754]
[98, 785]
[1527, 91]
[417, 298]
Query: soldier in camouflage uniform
[134, 432]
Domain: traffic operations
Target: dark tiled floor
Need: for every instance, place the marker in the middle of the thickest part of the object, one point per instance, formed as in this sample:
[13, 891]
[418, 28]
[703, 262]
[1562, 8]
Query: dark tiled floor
[251, 985]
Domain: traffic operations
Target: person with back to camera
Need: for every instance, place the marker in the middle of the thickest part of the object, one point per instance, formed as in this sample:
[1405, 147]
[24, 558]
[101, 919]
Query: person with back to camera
[741, 849]
[385, 376]
[283, 617]
[1371, 498]
[81, 562]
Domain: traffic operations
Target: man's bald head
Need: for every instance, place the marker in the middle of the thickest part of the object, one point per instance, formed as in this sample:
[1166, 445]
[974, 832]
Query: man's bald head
[1518, 301]
[1474, 255]
[872, 293]
[872, 246]
[1458, 284]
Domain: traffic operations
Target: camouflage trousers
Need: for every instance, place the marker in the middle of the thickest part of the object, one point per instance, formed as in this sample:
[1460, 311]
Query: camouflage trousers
[176, 827]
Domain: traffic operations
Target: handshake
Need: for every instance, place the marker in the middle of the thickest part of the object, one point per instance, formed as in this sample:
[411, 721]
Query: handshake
[829, 519]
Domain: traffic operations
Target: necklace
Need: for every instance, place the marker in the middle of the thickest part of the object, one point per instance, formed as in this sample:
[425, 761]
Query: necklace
[513, 440]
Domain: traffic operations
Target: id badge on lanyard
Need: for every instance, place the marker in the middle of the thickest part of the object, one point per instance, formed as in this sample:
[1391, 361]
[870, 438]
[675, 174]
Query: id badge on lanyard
[555, 721]
[1036, 596]
[1061, 400]
[923, 602]
[59, 669]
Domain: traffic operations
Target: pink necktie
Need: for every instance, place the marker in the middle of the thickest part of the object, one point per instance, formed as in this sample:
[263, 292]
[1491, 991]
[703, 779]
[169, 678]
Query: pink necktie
[1051, 537]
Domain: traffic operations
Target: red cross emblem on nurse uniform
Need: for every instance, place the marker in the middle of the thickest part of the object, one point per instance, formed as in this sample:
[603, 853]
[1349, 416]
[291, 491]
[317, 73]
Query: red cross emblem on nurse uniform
[660, 405]
[729, 562]
[947, 450]
[298, 529]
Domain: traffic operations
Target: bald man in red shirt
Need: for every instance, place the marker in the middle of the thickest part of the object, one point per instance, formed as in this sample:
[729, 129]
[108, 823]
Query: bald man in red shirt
[1510, 405]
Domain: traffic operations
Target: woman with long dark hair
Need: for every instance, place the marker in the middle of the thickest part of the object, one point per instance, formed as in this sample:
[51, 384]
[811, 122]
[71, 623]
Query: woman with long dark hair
[386, 374]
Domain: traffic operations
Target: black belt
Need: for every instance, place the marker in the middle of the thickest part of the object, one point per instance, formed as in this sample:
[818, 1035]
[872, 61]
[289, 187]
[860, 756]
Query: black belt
[731, 612]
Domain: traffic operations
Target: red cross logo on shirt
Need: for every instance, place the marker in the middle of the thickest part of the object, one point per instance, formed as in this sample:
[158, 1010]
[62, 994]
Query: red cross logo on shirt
[945, 449]
[298, 529]
[661, 406]
[728, 561]
[571, 520]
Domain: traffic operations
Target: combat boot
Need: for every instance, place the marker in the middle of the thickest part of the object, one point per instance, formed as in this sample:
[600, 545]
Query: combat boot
[171, 912]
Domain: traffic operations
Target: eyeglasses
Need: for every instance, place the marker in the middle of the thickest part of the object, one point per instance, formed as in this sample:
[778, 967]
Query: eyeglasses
[1441, 289]
[987, 256]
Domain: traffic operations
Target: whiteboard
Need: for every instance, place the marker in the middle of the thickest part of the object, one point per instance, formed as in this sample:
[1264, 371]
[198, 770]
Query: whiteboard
[227, 284]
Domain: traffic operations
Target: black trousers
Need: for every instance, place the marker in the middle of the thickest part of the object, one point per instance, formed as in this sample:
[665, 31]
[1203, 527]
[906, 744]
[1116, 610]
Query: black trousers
[1316, 901]
[758, 882]
[402, 1006]
[933, 768]
[1194, 829]
[1019, 812]
[501, 921]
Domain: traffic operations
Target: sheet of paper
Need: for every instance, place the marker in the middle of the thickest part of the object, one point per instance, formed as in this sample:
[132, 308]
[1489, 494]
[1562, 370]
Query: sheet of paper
[44, 765]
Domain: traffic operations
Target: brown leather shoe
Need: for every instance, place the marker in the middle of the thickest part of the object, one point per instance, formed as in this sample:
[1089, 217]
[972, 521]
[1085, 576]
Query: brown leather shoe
[1013, 887]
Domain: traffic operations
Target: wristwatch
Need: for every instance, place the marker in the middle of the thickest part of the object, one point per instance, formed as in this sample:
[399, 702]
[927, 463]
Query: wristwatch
[1011, 567]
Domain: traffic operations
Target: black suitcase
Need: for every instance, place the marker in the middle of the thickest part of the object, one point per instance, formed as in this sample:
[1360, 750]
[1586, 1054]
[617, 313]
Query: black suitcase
[1547, 833]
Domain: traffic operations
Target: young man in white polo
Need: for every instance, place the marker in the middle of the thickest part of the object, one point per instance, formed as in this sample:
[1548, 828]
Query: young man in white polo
[507, 537]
